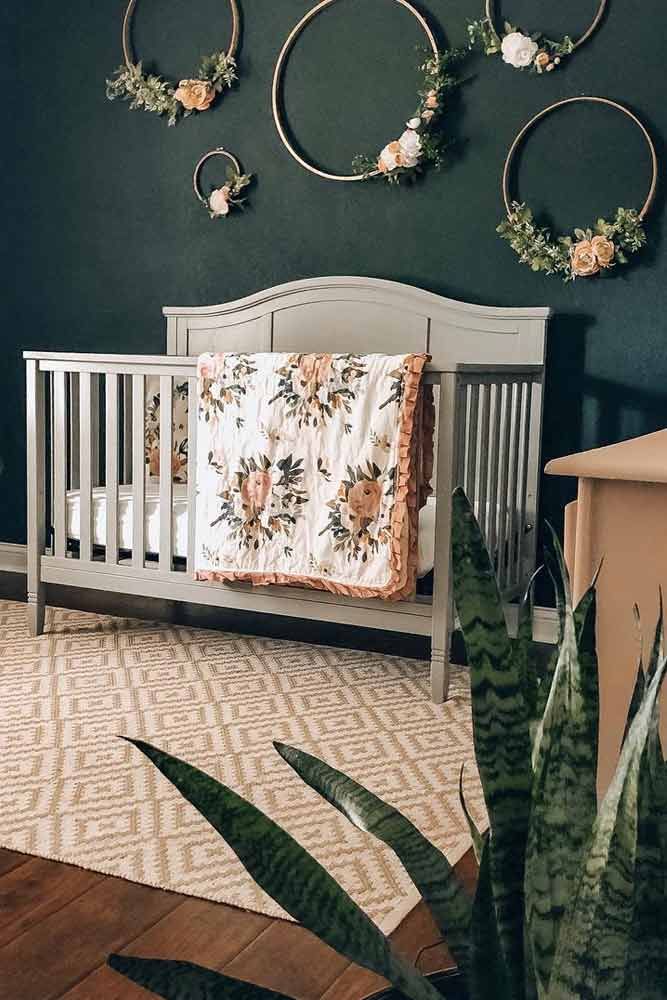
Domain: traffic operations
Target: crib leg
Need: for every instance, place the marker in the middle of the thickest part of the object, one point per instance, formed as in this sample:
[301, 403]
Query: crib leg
[35, 446]
[439, 675]
[36, 610]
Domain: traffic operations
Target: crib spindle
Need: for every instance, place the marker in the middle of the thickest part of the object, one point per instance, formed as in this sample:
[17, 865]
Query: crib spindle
[138, 470]
[192, 470]
[485, 421]
[471, 458]
[111, 477]
[517, 407]
[166, 486]
[504, 461]
[74, 431]
[127, 428]
[85, 468]
[59, 460]
[494, 457]
[524, 476]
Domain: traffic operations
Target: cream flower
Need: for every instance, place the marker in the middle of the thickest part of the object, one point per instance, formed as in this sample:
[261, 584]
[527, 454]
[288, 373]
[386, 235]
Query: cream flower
[583, 260]
[427, 115]
[518, 50]
[410, 146]
[218, 201]
[413, 123]
[195, 95]
[542, 60]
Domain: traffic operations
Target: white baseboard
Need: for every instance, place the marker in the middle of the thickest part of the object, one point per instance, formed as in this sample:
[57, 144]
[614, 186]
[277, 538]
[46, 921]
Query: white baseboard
[13, 559]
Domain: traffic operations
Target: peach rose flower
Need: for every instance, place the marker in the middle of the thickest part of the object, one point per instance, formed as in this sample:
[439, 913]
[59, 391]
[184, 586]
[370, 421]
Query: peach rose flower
[604, 250]
[195, 95]
[583, 260]
[431, 99]
[542, 60]
[315, 367]
[207, 366]
[364, 500]
[390, 157]
[255, 491]
[427, 115]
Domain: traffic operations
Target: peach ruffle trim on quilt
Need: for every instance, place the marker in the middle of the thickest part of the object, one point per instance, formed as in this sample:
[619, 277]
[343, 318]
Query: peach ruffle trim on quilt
[405, 513]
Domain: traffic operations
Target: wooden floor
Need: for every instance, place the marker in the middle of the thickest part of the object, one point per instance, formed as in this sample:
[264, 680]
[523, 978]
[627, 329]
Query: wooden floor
[58, 923]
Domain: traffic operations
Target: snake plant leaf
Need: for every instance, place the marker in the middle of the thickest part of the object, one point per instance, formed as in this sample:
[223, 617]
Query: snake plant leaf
[595, 933]
[525, 649]
[488, 974]
[636, 699]
[428, 867]
[186, 981]
[658, 642]
[646, 964]
[475, 835]
[500, 727]
[564, 804]
[290, 875]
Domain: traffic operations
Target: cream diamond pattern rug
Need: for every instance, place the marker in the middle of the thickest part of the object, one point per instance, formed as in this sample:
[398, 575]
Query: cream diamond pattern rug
[72, 791]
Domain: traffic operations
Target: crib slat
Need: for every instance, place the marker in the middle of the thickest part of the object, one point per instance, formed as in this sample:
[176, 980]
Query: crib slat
[166, 486]
[74, 431]
[471, 473]
[138, 470]
[111, 478]
[504, 461]
[59, 459]
[85, 468]
[524, 476]
[192, 471]
[517, 406]
[127, 428]
[494, 459]
[485, 419]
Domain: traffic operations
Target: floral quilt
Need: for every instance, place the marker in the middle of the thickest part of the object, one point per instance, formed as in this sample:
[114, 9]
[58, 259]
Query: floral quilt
[308, 470]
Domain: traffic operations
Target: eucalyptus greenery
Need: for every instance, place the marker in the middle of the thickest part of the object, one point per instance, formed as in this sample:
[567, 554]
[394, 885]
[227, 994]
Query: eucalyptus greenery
[536, 246]
[483, 33]
[233, 189]
[571, 902]
[151, 92]
[439, 79]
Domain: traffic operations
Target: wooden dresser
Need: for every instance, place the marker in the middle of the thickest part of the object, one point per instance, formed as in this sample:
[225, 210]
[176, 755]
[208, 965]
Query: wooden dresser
[620, 517]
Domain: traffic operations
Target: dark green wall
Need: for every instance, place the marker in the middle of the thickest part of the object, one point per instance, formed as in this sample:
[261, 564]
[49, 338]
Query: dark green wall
[102, 227]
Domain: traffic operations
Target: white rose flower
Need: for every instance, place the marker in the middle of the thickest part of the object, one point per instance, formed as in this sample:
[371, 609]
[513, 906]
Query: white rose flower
[218, 203]
[411, 147]
[518, 50]
[413, 123]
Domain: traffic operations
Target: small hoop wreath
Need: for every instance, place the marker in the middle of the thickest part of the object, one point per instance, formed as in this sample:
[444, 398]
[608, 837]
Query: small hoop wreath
[522, 51]
[419, 144]
[587, 252]
[163, 97]
[221, 200]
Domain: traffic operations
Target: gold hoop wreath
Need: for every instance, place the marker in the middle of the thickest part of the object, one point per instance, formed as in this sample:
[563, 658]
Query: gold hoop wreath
[522, 51]
[419, 144]
[151, 92]
[220, 201]
[587, 252]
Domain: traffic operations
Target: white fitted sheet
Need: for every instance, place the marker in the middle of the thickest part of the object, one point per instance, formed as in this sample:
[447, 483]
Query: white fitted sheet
[180, 521]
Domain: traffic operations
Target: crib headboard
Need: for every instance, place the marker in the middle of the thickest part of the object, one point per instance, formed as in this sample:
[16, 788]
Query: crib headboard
[364, 315]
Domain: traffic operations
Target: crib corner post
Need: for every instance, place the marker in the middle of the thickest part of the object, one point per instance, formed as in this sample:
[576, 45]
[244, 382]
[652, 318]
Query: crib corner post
[35, 435]
[447, 465]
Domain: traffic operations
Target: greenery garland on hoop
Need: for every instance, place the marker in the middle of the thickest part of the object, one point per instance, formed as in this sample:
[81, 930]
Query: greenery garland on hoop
[421, 142]
[220, 200]
[522, 51]
[587, 252]
[153, 93]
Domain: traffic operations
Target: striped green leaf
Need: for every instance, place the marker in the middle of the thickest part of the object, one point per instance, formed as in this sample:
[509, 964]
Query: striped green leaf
[488, 975]
[525, 650]
[500, 727]
[185, 981]
[428, 867]
[290, 875]
[564, 803]
[475, 835]
[595, 935]
[646, 964]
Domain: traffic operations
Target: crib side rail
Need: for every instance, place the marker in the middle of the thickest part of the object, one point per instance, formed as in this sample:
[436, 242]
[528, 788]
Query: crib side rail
[498, 462]
[87, 446]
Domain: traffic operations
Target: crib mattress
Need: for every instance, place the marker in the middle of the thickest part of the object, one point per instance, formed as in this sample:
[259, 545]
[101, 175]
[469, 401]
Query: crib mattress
[180, 521]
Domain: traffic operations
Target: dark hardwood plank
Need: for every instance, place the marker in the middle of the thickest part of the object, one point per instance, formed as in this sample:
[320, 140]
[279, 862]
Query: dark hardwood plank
[210, 934]
[30, 892]
[289, 959]
[10, 860]
[59, 951]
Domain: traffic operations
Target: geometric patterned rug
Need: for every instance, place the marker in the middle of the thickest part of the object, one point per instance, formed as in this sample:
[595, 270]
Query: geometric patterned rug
[71, 791]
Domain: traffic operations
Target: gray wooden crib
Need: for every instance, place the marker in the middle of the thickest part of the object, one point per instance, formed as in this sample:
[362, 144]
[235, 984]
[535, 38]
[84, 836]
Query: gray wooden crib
[86, 423]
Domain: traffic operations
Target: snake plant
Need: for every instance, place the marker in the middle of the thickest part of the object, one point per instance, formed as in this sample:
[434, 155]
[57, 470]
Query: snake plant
[571, 901]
